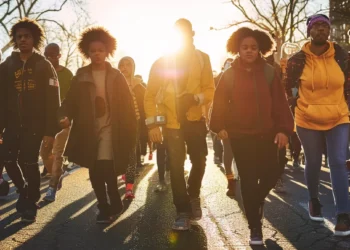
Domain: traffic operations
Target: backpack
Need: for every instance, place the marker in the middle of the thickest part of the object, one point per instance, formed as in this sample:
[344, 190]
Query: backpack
[269, 72]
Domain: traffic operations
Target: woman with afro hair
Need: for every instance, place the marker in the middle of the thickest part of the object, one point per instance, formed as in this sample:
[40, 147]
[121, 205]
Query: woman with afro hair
[250, 108]
[100, 108]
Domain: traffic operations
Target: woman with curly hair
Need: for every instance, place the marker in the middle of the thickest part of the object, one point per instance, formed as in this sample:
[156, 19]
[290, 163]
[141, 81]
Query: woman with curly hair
[100, 107]
[250, 108]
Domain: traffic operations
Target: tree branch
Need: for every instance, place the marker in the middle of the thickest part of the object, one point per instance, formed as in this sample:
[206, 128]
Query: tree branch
[51, 10]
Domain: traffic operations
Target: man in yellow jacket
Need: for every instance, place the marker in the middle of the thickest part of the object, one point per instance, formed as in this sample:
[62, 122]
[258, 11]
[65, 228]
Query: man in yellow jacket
[179, 85]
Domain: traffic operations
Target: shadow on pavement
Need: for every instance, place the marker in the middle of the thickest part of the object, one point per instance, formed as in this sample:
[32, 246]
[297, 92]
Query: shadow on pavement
[149, 227]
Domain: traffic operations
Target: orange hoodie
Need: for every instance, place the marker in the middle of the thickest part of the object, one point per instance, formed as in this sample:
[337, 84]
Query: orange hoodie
[321, 103]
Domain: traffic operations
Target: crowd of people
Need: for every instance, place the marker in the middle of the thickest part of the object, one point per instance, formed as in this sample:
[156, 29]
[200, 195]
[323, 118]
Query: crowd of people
[104, 118]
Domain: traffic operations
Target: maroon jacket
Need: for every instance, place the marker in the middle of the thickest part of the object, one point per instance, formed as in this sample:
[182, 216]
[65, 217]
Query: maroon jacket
[256, 108]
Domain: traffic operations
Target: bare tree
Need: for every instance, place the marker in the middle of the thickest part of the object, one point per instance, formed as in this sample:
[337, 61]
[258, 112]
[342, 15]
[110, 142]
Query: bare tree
[40, 10]
[280, 17]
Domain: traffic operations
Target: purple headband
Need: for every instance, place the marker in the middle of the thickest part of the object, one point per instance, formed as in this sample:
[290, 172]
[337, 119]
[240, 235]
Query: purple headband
[315, 19]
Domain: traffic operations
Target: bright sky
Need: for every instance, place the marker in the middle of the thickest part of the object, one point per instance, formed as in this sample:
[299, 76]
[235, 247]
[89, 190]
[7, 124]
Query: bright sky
[141, 27]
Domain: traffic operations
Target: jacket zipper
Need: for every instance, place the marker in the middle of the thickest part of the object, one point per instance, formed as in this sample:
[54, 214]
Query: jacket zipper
[19, 104]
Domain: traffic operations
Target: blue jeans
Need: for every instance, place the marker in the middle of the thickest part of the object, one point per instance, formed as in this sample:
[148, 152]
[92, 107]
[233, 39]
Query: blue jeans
[337, 143]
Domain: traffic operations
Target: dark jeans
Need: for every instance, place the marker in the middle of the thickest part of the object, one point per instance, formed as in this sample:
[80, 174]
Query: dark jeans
[295, 146]
[162, 160]
[217, 146]
[194, 137]
[258, 168]
[103, 173]
[21, 155]
[337, 148]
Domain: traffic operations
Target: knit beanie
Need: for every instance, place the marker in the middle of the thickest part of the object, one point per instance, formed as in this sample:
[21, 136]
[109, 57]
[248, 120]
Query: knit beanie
[316, 18]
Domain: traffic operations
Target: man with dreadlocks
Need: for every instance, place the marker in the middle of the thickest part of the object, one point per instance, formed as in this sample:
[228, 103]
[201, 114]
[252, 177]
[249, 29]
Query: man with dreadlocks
[29, 99]
[100, 107]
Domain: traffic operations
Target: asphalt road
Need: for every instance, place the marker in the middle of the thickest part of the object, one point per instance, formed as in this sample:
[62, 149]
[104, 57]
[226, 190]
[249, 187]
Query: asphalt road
[69, 222]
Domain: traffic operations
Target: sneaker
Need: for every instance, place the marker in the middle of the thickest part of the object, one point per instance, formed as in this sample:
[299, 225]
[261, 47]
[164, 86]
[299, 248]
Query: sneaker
[296, 165]
[182, 222]
[50, 194]
[343, 225]
[28, 216]
[217, 160]
[129, 195]
[256, 237]
[103, 218]
[161, 187]
[279, 188]
[59, 185]
[315, 210]
[231, 188]
[196, 209]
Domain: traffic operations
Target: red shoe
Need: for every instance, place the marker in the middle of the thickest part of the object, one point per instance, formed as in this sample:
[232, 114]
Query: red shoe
[129, 195]
[123, 177]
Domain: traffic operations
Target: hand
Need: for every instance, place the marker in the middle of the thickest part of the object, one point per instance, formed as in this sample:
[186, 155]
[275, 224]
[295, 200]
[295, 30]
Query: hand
[281, 140]
[155, 135]
[48, 141]
[223, 134]
[65, 123]
[283, 65]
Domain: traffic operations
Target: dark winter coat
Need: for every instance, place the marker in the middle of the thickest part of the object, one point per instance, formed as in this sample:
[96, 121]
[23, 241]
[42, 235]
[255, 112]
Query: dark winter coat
[29, 95]
[79, 107]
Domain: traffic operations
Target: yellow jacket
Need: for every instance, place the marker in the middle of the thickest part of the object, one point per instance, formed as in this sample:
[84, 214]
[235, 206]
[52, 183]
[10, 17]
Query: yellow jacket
[200, 83]
[321, 103]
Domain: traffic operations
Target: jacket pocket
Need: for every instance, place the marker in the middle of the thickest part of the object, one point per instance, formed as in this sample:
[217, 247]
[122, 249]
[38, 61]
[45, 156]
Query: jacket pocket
[322, 114]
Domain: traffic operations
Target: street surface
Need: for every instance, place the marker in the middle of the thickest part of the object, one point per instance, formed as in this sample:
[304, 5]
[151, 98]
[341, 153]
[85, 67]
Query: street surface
[69, 222]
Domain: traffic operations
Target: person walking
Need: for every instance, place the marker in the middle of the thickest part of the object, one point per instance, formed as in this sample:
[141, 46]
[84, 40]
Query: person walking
[319, 71]
[100, 107]
[250, 108]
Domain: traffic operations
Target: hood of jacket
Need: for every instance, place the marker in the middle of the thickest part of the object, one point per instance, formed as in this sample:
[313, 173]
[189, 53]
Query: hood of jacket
[328, 55]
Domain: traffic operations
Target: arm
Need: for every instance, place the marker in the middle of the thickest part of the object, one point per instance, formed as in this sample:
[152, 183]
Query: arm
[207, 83]
[52, 100]
[219, 106]
[68, 107]
[281, 113]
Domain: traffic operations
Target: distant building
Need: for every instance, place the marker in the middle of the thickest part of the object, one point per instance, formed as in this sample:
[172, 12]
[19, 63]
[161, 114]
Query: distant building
[340, 18]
